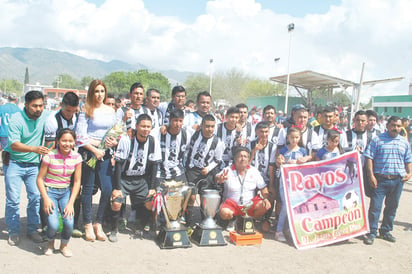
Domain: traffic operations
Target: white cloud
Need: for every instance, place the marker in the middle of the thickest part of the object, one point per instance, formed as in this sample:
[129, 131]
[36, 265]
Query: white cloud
[235, 33]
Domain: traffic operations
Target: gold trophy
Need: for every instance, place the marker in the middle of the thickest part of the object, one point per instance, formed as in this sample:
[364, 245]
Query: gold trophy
[173, 234]
[245, 223]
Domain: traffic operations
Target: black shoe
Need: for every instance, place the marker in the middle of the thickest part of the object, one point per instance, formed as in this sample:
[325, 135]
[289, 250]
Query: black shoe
[369, 238]
[388, 237]
[14, 240]
[36, 237]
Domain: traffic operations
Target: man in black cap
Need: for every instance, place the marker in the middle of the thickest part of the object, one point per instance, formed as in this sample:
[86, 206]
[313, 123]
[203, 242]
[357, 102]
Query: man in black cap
[299, 119]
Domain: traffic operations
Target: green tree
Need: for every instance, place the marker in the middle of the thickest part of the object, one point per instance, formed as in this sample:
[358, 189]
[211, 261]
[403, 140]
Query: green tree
[338, 97]
[154, 80]
[85, 82]
[120, 82]
[194, 84]
[258, 87]
[341, 98]
[66, 81]
[26, 77]
[11, 85]
[233, 86]
[368, 105]
[117, 82]
[229, 84]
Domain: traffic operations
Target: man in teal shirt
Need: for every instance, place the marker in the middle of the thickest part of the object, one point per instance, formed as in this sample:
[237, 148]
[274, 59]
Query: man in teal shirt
[24, 143]
[6, 111]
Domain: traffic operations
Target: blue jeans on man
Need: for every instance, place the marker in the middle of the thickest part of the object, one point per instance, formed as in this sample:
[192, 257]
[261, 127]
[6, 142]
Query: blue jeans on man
[390, 190]
[15, 174]
[60, 198]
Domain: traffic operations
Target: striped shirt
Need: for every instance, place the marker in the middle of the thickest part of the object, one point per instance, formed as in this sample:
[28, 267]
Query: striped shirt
[264, 158]
[204, 152]
[389, 154]
[173, 149]
[248, 132]
[138, 155]
[60, 168]
[194, 118]
[228, 137]
[167, 107]
[131, 122]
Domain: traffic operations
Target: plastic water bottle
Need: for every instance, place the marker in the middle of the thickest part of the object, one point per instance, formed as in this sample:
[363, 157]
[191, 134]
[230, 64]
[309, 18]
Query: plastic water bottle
[60, 223]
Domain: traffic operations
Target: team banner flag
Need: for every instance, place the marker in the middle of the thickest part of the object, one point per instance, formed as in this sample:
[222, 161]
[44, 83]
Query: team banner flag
[325, 201]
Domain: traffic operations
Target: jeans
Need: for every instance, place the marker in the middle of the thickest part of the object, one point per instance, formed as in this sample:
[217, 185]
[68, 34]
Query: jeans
[15, 174]
[390, 190]
[103, 171]
[283, 211]
[60, 198]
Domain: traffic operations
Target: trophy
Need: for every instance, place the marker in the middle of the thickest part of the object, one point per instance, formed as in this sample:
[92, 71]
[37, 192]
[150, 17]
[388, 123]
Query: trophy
[245, 224]
[208, 233]
[173, 234]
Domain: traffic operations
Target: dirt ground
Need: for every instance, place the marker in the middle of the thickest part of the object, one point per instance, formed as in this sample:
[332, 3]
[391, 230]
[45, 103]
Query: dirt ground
[134, 255]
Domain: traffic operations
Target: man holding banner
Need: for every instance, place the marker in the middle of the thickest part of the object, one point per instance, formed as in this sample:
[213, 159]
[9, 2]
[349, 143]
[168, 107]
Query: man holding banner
[389, 165]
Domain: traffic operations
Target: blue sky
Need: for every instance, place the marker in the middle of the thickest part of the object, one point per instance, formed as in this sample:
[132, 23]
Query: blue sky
[332, 37]
[188, 10]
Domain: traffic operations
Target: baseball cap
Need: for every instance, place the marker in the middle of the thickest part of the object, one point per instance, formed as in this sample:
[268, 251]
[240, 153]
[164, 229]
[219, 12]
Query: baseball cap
[298, 107]
[12, 96]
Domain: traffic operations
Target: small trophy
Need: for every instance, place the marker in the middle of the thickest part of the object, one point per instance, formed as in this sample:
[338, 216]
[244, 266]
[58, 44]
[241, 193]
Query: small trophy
[208, 233]
[174, 234]
[245, 224]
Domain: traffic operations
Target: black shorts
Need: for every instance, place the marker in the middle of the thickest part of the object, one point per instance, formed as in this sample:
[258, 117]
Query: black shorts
[202, 182]
[181, 178]
[276, 187]
[135, 187]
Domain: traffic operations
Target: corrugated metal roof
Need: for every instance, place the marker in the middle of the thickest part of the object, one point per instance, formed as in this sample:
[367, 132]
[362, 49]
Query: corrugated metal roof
[309, 79]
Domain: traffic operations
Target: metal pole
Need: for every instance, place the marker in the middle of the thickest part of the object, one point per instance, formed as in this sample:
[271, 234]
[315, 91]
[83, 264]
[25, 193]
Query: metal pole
[291, 27]
[210, 76]
[360, 87]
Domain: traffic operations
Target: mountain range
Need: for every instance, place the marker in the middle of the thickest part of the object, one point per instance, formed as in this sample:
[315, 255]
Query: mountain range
[45, 65]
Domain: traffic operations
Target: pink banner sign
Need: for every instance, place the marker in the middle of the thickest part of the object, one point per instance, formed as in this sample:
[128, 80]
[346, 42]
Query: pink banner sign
[325, 201]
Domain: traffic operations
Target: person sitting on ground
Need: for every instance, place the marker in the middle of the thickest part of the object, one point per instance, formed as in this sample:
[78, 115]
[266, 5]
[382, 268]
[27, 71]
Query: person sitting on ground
[242, 183]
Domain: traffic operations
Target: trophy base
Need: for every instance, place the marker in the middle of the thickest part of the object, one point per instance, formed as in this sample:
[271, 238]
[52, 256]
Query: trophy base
[173, 238]
[208, 236]
[248, 239]
[245, 225]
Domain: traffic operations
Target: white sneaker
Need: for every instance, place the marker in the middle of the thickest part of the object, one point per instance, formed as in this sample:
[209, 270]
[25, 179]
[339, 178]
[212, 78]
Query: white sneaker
[280, 237]
[231, 225]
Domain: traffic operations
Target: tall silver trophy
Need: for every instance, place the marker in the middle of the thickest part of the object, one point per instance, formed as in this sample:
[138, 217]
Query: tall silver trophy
[173, 234]
[208, 233]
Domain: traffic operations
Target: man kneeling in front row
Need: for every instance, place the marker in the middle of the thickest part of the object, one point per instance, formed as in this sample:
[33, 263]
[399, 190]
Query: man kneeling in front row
[134, 173]
[241, 185]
